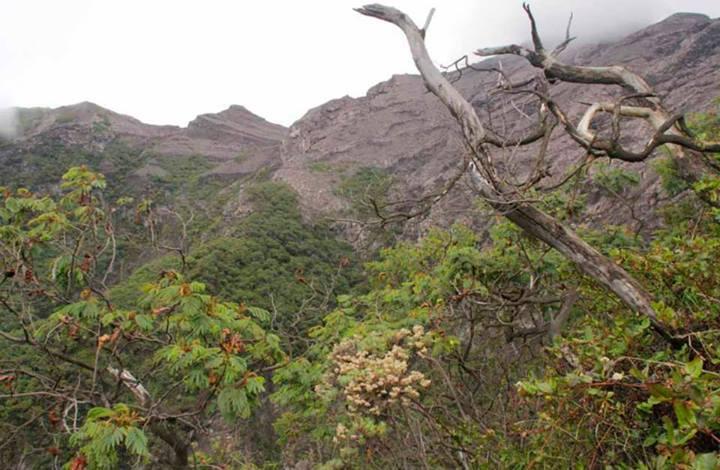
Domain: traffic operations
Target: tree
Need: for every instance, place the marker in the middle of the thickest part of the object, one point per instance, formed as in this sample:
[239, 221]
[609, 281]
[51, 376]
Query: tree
[474, 353]
[93, 383]
[508, 199]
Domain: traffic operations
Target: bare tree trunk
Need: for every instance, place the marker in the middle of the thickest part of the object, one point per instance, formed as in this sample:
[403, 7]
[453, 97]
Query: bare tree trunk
[532, 220]
[171, 437]
[687, 151]
[587, 259]
[558, 323]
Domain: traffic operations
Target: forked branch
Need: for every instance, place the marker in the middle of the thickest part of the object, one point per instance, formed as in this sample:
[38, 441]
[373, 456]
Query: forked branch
[533, 221]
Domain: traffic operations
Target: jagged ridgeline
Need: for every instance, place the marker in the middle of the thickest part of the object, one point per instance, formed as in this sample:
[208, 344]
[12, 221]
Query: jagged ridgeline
[237, 294]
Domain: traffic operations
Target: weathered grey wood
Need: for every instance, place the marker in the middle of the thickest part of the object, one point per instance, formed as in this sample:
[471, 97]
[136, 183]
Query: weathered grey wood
[688, 152]
[558, 323]
[532, 220]
[553, 68]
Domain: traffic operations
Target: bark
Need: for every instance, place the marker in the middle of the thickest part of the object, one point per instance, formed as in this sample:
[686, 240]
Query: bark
[692, 163]
[532, 220]
[587, 259]
[129, 380]
[180, 446]
[558, 323]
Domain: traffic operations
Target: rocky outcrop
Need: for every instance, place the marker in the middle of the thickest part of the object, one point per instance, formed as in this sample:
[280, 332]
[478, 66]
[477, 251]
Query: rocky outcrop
[222, 135]
[230, 143]
[400, 127]
[233, 134]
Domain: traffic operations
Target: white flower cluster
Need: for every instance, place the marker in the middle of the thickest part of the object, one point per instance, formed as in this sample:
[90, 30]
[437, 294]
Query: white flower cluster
[342, 433]
[373, 382]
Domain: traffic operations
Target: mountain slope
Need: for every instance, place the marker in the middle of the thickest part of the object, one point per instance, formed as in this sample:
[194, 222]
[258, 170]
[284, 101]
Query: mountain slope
[134, 154]
[397, 131]
[404, 130]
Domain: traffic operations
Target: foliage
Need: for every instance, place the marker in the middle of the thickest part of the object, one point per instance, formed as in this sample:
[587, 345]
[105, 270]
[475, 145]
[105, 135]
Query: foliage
[278, 262]
[608, 390]
[170, 358]
[706, 127]
[45, 163]
[320, 167]
[384, 359]
[105, 431]
[465, 349]
[623, 395]
[614, 178]
[365, 187]
[671, 181]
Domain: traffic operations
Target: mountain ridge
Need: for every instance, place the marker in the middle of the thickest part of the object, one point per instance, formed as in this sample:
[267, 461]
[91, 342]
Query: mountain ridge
[396, 128]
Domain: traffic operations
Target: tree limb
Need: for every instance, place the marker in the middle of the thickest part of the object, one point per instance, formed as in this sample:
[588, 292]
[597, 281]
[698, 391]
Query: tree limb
[529, 218]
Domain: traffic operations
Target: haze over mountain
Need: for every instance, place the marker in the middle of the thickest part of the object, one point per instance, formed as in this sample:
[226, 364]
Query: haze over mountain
[179, 59]
[368, 287]
[397, 129]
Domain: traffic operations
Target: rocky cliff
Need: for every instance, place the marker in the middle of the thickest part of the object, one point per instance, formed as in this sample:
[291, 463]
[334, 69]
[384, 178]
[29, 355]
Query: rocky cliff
[398, 130]
[400, 127]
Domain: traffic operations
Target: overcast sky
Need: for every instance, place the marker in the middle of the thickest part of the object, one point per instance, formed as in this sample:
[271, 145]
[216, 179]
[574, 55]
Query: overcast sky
[166, 61]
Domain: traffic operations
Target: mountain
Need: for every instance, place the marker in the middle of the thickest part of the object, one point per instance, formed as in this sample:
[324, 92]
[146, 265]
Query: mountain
[398, 134]
[471, 348]
[405, 131]
[227, 136]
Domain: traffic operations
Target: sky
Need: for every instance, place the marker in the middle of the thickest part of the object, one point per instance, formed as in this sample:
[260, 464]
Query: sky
[166, 61]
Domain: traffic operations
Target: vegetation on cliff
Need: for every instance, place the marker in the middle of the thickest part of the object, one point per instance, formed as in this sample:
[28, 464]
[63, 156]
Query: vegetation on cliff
[155, 327]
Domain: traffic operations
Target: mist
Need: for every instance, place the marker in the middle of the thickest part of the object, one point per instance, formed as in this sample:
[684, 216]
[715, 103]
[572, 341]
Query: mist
[593, 21]
[8, 120]
[165, 61]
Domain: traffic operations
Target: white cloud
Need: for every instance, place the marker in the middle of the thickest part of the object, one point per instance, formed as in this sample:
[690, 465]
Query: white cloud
[166, 61]
[8, 121]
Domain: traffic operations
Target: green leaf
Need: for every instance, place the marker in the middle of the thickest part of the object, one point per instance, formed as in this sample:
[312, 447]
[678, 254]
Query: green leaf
[694, 368]
[685, 415]
[660, 393]
[255, 385]
[259, 314]
[233, 403]
[136, 441]
[144, 322]
[545, 387]
[649, 441]
[98, 413]
[707, 461]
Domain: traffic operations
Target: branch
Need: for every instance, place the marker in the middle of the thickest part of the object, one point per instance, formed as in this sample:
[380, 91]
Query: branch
[129, 380]
[512, 49]
[427, 22]
[553, 68]
[532, 220]
[657, 119]
[434, 80]
[557, 323]
[692, 164]
[11, 338]
[539, 48]
[568, 39]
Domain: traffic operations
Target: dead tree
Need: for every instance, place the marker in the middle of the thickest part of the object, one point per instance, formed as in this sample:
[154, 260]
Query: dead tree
[505, 197]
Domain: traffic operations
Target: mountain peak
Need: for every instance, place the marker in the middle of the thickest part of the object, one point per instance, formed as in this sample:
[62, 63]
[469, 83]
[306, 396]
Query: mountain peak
[686, 17]
[236, 123]
[675, 23]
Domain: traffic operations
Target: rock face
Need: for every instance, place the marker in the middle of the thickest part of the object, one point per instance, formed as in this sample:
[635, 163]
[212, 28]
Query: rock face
[37, 121]
[223, 136]
[236, 125]
[401, 128]
[232, 142]
[398, 128]
[219, 135]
